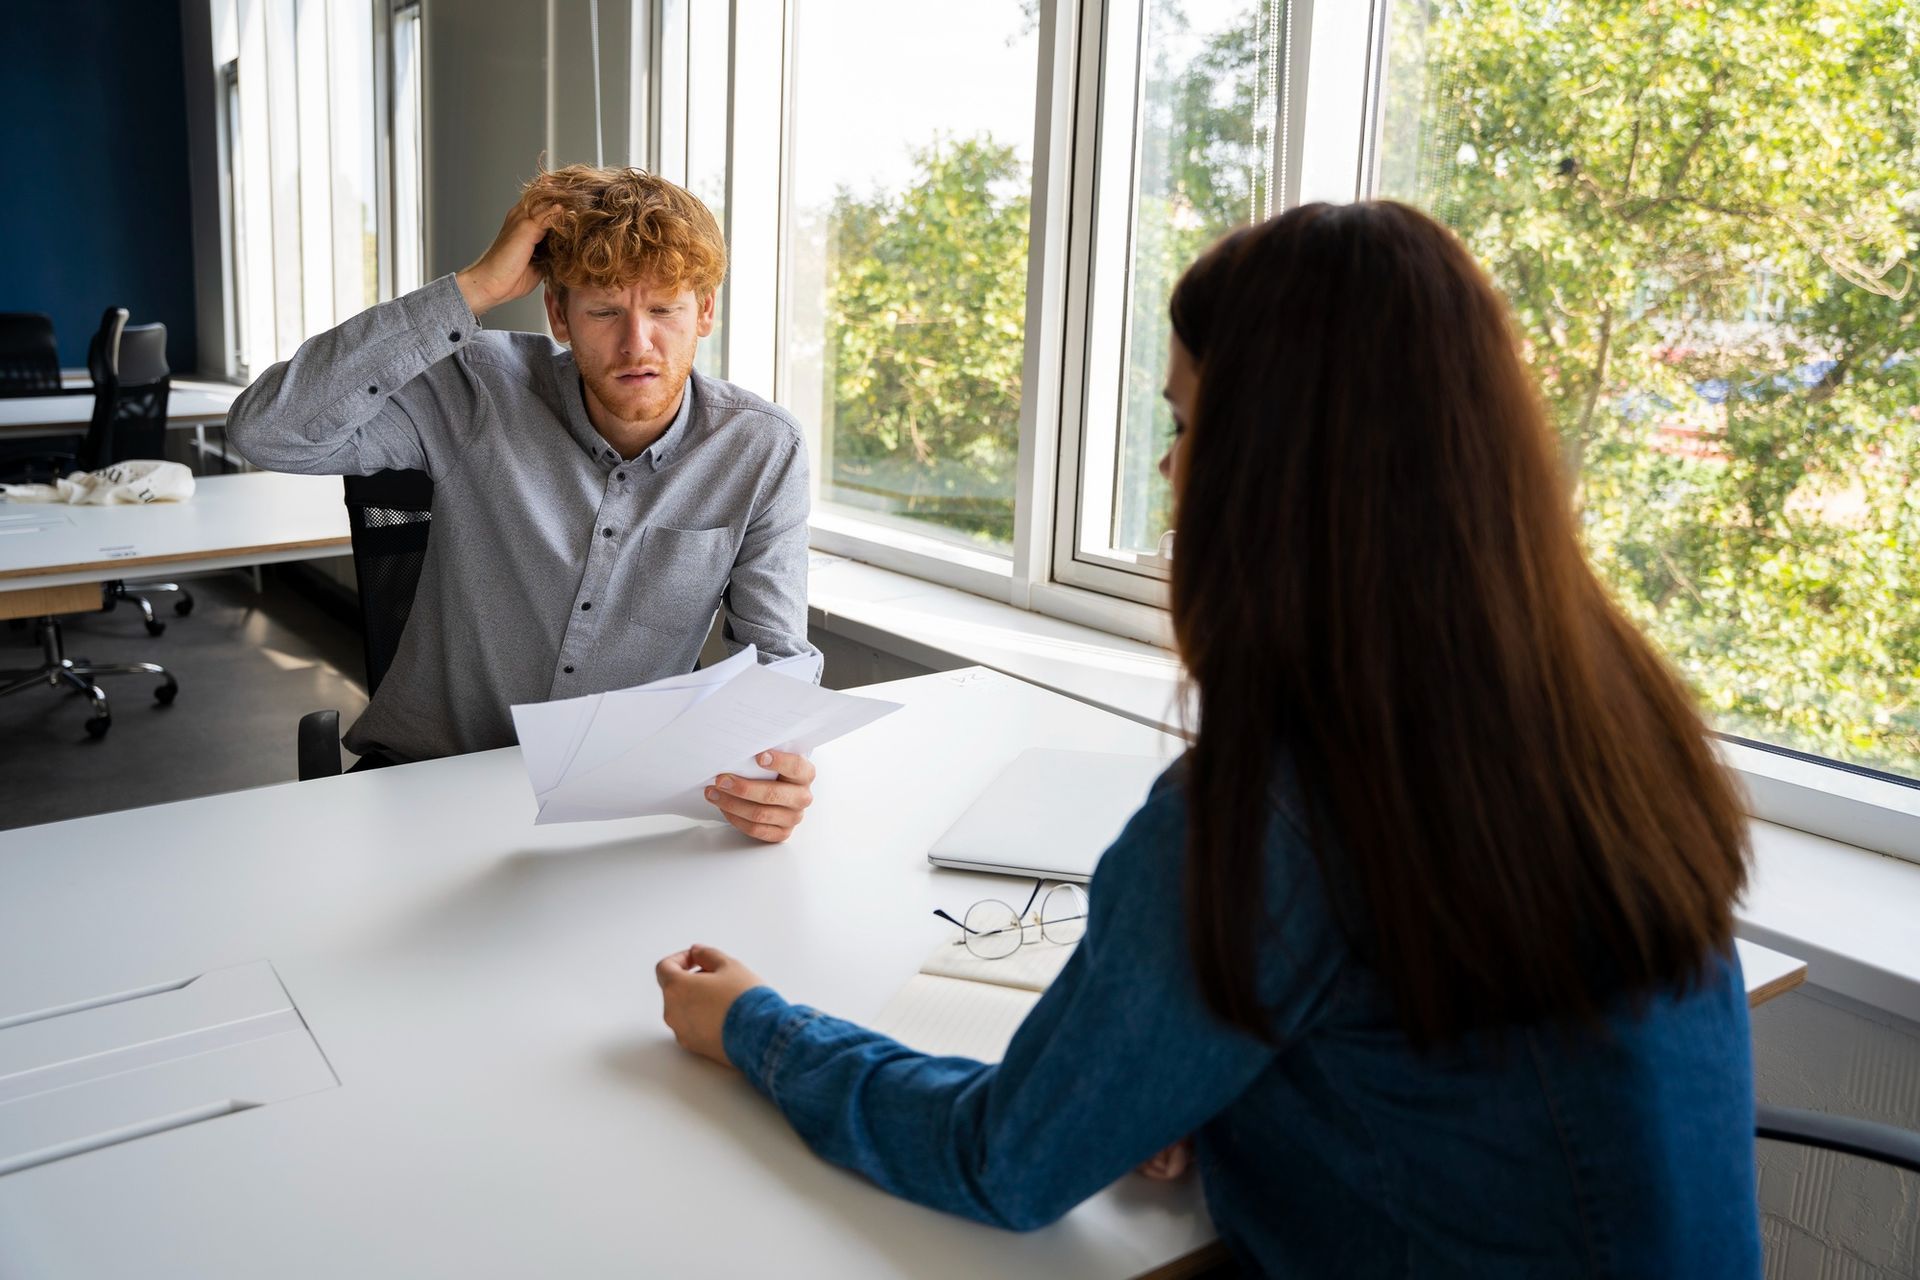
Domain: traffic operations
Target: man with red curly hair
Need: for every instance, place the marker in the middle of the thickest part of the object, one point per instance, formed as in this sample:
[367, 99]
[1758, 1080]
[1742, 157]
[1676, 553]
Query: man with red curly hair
[594, 502]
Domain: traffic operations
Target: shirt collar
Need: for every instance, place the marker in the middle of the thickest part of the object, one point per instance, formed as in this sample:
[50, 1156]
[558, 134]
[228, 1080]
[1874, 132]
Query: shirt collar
[661, 451]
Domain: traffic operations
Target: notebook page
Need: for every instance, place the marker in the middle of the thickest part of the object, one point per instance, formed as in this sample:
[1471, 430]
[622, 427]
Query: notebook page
[1032, 968]
[949, 1017]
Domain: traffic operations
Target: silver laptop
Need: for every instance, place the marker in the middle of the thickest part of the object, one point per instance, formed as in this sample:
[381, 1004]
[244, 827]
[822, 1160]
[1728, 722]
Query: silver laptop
[1049, 814]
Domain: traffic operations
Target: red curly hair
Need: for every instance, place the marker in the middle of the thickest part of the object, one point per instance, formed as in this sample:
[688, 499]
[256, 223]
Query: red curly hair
[620, 226]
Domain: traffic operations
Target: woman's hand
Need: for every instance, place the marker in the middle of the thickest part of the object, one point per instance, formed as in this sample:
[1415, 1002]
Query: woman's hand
[1169, 1164]
[697, 987]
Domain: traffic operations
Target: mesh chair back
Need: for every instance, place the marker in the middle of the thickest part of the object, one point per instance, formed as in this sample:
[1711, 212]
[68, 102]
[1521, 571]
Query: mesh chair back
[29, 356]
[130, 410]
[391, 514]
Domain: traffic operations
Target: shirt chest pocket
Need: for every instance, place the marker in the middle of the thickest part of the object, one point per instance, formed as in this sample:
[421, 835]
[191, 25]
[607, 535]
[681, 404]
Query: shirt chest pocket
[676, 585]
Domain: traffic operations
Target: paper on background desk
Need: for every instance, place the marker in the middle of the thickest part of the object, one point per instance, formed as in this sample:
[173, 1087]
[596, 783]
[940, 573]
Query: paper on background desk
[654, 748]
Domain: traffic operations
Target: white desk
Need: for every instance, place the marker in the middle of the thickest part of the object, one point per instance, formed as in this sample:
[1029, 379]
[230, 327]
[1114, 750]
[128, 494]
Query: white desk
[259, 517]
[508, 1102]
[191, 402]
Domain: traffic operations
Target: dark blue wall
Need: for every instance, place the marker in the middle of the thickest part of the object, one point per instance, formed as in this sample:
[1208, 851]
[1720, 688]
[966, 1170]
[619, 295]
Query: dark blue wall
[93, 164]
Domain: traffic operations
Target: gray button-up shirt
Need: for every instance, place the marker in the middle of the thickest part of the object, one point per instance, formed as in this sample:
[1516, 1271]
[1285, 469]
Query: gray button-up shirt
[554, 567]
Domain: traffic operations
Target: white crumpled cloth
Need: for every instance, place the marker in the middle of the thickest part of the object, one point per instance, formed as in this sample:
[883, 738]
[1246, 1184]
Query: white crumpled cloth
[133, 481]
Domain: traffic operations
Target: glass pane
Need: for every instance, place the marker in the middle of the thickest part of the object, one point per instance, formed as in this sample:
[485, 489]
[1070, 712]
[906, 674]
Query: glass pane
[409, 227]
[1705, 217]
[708, 94]
[1203, 165]
[356, 237]
[906, 258]
[236, 214]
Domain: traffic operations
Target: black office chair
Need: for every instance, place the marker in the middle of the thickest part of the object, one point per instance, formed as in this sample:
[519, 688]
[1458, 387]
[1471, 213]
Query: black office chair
[390, 514]
[29, 356]
[1864, 1138]
[132, 383]
[30, 366]
[116, 409]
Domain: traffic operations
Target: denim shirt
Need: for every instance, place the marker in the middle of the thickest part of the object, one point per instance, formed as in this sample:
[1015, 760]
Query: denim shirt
[1620, 1151]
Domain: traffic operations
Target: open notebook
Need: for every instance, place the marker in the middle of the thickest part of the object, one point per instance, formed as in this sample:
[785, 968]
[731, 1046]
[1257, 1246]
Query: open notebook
[960, 1005]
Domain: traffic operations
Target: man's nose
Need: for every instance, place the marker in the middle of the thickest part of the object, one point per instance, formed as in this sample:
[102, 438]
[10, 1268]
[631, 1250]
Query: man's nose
[636, 338]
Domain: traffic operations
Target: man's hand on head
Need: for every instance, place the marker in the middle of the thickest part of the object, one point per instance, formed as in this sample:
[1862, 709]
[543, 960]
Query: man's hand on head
[506, 271]
[766, 810]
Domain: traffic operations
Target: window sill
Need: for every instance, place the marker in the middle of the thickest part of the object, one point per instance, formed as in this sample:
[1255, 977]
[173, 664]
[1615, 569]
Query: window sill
[1853, 915]
[941, 627]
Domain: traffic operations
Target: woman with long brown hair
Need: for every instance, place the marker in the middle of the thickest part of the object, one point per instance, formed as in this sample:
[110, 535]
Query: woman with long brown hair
[1427, 939]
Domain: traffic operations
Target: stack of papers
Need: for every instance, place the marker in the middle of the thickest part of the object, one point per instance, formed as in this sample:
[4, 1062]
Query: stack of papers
[655, 748]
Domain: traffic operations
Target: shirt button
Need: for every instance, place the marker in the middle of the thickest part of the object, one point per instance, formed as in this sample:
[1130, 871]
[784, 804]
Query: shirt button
[373, 391]
[585, 605]
[606, 533]
[568, 670]
[454, 336]
[619, 475]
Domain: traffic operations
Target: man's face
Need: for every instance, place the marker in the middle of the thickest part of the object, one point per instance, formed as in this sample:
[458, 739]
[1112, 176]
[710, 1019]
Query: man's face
[634, 346]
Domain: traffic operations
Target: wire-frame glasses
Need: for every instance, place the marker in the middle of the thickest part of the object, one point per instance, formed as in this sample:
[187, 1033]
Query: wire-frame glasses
[993, 930]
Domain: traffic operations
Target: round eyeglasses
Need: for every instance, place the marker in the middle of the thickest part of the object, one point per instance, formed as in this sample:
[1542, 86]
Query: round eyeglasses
[992, 930]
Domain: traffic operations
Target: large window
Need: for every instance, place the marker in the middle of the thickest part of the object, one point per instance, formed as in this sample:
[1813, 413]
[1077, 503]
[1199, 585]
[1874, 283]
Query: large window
[1705, 217]
[905, 257]
[302, 139]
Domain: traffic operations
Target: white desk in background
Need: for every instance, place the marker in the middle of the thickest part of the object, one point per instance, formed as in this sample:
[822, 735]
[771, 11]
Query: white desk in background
[52, 553]
[191, 402]
[507, 1100]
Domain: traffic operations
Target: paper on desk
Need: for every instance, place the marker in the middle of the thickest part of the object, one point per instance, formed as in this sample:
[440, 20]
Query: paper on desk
[653, 749]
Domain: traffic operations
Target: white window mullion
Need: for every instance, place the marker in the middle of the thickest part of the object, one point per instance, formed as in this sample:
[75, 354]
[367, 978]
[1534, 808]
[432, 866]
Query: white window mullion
[1052, 222]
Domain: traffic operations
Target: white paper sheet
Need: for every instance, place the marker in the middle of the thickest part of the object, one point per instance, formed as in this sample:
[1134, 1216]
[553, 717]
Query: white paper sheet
[653, 749]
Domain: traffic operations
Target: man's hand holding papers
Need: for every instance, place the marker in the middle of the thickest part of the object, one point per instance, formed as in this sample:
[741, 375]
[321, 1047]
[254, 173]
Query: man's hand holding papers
[766, 810]
[659, 748]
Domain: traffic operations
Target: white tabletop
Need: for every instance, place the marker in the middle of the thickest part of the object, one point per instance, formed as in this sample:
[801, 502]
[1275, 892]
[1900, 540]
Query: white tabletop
[509, 1102]
[191, 402]
[258, 517]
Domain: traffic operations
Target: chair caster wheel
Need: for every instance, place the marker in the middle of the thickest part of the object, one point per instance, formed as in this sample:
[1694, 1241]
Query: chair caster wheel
[97, 726]
[155, 627]
[183, 607]
[166, 693]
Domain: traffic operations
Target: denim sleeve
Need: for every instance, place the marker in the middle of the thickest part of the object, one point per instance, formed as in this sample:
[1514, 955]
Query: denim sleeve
[1118, 1060]
[374, 392]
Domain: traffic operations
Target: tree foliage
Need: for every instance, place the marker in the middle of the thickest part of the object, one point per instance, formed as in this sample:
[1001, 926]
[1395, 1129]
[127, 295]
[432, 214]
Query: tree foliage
[926, 323]
[1705, 216]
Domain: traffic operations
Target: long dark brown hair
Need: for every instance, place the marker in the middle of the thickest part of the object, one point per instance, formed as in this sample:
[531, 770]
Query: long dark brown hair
[1513, 800]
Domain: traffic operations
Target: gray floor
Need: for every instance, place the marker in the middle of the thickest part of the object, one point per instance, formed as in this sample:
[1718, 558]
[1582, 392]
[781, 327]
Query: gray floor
[249, 667]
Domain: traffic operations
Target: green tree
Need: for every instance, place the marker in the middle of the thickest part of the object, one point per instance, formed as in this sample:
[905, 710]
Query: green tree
[1705, 215]
[926, 321]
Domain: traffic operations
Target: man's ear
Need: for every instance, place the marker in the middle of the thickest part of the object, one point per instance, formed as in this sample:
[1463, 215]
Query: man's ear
[706, 314]
[557, 315]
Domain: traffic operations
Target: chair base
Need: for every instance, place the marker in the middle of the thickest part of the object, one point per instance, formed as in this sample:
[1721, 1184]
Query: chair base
[58, 671]
[136, 593]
